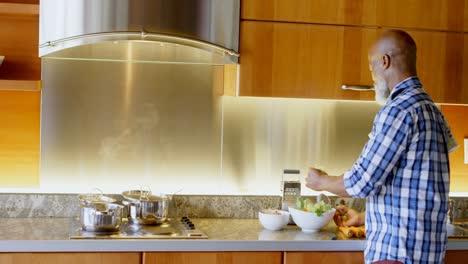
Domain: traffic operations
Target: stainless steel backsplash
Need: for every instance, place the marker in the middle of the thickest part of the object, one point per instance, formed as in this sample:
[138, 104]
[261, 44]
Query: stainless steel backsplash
[263, 136]
[120, 125]
[117, 126]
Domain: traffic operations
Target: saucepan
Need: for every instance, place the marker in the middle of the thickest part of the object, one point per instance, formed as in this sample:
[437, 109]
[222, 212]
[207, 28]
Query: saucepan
[99, 213]
[95, 196]
[101, 217]
[145, 208]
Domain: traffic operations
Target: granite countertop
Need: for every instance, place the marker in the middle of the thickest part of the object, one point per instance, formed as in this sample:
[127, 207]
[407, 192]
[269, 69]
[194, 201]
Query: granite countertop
[52, 235]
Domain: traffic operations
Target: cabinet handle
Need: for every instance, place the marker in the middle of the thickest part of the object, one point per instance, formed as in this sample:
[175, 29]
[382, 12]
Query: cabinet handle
[357, 87]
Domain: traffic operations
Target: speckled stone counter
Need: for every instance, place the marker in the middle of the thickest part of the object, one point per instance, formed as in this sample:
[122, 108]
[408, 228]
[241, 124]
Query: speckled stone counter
[17, 205]
[52, 235]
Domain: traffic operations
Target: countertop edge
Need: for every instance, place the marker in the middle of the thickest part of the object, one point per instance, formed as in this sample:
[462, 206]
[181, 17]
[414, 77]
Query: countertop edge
[53, 235]
[127, 245]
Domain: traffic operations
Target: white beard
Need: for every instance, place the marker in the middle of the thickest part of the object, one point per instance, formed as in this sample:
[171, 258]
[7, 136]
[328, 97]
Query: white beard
[381, 92]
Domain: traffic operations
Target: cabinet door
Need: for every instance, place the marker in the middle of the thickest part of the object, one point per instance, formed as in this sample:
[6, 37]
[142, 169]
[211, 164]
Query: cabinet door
[303, 60]
[212, 258]
[466, 16]
[464, 89]
[456, 256]
[314, 61]
[440, 65]
[337, 257]
[304, 11]
[70, 258]
[19, 32]
[420, 14]
[416, 14]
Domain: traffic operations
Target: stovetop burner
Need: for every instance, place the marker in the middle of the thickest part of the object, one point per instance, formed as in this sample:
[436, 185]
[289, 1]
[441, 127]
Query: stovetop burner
[183, 228]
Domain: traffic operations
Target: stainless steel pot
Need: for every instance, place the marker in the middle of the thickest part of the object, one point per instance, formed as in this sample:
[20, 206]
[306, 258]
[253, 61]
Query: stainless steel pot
[101, 217]
[146, 209]
[95, 196]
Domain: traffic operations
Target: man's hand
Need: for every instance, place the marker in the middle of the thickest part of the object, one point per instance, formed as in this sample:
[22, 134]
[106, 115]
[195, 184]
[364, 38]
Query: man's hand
[345, 216]
[315, 179]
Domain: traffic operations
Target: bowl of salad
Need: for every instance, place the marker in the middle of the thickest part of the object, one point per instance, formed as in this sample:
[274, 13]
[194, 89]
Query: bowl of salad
[311, 217]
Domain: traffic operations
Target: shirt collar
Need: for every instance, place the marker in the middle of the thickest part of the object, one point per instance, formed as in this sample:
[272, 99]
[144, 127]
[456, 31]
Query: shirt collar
[400, 87]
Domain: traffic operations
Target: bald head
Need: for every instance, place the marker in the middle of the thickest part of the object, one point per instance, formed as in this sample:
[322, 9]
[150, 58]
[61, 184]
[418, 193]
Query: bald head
[400, 47]
[393, 57]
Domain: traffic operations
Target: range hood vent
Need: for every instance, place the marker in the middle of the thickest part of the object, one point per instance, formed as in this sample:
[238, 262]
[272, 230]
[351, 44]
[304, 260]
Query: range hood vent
[150, 31]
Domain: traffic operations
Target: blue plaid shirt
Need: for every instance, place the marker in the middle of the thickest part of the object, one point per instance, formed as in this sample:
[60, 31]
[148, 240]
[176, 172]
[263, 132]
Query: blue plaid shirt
[404, 171]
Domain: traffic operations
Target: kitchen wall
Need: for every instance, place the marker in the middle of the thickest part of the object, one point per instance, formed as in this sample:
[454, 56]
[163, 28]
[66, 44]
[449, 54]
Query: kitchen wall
[457, 116]
[122, 126]
[264, 136]
[164, 126]
[19, 138]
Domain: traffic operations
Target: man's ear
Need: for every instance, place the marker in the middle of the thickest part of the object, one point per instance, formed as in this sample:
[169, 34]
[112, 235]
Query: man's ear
[385, 61]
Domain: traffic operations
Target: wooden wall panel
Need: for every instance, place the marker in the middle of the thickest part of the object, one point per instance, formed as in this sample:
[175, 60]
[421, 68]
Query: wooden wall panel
[457, 116]
[19, 138]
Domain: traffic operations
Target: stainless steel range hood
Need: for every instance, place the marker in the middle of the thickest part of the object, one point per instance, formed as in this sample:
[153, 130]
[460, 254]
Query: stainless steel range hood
[161, 31]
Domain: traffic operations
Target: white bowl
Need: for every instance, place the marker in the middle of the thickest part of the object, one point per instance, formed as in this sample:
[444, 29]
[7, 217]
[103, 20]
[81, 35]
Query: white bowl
[273, 221]
[309, 222]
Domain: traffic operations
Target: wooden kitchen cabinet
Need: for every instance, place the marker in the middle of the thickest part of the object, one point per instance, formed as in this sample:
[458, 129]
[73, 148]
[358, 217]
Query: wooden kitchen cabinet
[332, 257]
[19, 32]
[303, 60]
[410, 14]
[349, 257]
[314, 61]
[464, 75]
[466, 16]
[440, 65]
[70, 258]
[212, 257]
[456, 256]
[20, 95]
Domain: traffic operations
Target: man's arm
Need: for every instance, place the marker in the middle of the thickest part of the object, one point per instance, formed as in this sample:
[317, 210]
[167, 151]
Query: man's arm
[320, 181]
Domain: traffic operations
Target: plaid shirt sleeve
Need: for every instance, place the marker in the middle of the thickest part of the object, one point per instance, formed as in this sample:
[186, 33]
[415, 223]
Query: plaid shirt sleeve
[388, 140]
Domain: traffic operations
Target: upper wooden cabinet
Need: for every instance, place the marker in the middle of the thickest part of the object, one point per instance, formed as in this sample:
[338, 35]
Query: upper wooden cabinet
[466, 16]
[212, 258]
[303, 60]
[464, 75]
[440, 65]
[36, 2]
[19, 34]
[314, 61]
[411, 14]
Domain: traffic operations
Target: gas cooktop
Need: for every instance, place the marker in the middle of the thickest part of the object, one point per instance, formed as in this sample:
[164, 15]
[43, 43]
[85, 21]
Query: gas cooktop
[182, 228]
